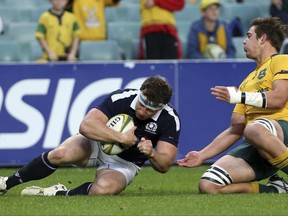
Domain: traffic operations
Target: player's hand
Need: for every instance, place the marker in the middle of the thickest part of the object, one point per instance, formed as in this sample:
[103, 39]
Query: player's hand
[71, 58]
[146, 147]
[129, 138]
[192, 159]
[149, 3]
[221, 93]
[52, 56]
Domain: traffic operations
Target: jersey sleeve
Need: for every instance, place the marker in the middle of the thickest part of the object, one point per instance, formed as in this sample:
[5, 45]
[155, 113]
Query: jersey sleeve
[76, 27]
[240, 109]
[279, 67]
[107, 106]
[171, 5]
[170, 131]
[41, 29]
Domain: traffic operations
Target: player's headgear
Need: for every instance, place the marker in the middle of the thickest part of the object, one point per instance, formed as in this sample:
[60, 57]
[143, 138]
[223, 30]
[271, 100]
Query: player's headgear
[149, 104]
[206, 3]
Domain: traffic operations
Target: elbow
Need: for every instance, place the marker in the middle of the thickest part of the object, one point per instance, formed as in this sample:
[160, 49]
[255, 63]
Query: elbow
[164, 169]
[83, 129]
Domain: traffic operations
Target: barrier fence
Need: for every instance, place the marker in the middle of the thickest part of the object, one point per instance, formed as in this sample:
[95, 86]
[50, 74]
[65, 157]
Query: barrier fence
[42, 104]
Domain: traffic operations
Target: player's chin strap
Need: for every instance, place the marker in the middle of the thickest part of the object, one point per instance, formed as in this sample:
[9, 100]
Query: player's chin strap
[257, 99]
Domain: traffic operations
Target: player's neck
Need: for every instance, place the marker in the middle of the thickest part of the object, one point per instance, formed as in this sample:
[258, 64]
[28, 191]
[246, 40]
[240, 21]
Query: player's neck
[57, 11]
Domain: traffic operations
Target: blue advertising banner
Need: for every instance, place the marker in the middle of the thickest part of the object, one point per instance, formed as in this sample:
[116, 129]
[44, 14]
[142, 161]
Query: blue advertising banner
[42, 104]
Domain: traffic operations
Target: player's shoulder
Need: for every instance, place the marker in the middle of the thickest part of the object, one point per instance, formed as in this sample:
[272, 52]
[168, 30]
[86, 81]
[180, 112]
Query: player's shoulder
[279, 57]
[69, 14]
[45, 15]
[123, 94]
[169, 112]
[197, 25]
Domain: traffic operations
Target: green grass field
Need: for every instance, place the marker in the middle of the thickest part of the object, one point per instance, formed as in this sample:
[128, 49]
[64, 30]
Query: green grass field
[151, 193]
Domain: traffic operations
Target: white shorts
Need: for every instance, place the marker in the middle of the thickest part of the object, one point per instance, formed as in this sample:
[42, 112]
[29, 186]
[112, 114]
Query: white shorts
[103, 161]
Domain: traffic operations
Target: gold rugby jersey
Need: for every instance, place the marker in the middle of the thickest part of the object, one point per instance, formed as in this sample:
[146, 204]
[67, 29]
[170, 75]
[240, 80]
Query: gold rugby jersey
[58, 31]
[260, 80]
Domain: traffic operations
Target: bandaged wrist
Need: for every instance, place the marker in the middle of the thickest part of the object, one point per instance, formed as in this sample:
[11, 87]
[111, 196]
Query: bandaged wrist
[257, 99]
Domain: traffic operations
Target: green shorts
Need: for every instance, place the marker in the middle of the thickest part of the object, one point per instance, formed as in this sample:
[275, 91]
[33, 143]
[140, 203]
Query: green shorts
[262, 168]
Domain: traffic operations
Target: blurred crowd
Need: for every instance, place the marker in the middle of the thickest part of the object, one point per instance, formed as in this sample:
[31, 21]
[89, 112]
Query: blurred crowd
[72, 30]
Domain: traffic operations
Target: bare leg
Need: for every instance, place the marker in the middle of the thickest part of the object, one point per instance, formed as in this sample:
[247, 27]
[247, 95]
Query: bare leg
[108, 182]
[240, 172]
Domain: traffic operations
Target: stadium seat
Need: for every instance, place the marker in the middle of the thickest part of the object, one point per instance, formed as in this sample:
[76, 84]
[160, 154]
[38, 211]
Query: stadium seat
[16, 3]
[246, 12]
[128, 13]
[184, 45]
[123, 33]
[238, 43]
[36, 13]
[110, 14]
[14, 14]
[135, 48]
[99, 50]
[183, 28]
[35, 50]
[9, 51]
[189, 13]
[22, 31]
[285, 43]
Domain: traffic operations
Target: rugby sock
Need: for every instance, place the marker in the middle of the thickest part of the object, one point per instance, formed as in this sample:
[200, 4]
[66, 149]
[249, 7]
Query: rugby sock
[255, 187]
[38, 168]
[281, 162]
[81, 190]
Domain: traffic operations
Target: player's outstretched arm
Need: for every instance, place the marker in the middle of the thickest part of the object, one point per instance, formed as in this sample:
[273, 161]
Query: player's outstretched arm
[192, 159]
[222, 142]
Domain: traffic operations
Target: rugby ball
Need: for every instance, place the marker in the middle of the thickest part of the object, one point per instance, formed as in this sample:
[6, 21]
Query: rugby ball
[121, 123]
[214, 51]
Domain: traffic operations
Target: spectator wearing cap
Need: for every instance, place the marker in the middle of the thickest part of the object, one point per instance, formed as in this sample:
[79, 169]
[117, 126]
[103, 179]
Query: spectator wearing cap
[209, 29]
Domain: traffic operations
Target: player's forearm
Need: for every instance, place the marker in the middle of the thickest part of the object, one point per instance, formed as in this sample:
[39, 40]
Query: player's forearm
[97, 130]
[75, 46]
[44, 45]
[160, 162]
[220, 144]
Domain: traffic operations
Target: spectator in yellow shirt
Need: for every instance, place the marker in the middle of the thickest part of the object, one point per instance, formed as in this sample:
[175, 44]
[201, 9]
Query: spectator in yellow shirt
[91, 17]
[57, 33]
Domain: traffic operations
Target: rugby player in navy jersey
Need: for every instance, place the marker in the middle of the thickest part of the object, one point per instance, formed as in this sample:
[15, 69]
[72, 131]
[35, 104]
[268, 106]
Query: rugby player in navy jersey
[154, 138]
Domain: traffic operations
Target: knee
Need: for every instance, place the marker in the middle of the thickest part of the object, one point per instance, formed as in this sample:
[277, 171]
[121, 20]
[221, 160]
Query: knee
[252, 131]
[101, 190]
[57, 156]
[207, 187]
[214, 180]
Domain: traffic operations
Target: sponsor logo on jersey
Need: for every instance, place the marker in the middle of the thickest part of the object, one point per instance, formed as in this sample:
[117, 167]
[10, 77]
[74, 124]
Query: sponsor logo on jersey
[151, 127]
[262, 74]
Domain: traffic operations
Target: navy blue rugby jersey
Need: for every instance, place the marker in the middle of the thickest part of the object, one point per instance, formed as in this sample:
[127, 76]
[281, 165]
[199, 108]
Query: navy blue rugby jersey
[164, 125]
